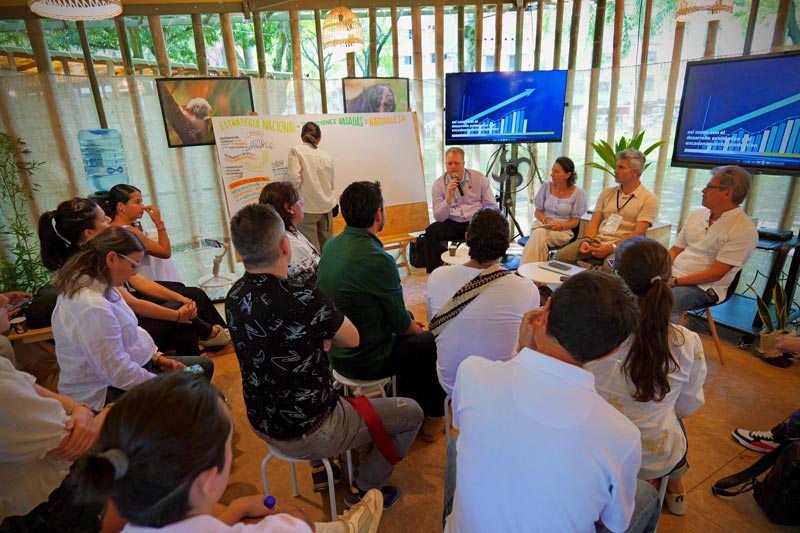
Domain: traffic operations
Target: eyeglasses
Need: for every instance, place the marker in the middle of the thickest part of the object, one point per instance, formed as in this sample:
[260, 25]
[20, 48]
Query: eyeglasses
[134, 264]
[720, 187]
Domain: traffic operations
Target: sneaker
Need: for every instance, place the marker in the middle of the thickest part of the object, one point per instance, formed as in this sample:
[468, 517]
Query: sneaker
[676, 503]
[364, 516]
[391, 495]
[759, 441]
[320, 477]
[223, 338]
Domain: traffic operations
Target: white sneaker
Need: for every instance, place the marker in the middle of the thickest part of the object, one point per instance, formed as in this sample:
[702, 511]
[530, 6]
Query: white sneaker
[223, 338]
[676, 503]
[364, 516]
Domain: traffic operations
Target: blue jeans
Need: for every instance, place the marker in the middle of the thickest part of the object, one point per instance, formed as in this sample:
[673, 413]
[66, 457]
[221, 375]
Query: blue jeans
[690, 297]
[646, 510]
[449, 479]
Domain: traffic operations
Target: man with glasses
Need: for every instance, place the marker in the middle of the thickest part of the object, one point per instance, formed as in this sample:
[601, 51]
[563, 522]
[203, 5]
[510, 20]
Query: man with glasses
[715, 243]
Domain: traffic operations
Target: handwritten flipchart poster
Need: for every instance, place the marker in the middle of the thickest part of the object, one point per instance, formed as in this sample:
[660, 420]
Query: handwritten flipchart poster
[253, 151]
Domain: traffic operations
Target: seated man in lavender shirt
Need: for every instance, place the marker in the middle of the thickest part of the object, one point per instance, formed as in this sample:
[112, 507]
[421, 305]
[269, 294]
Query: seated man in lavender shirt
[457, 195]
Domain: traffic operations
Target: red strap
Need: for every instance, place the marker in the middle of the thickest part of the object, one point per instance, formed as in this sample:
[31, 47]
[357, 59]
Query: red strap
[375, 426]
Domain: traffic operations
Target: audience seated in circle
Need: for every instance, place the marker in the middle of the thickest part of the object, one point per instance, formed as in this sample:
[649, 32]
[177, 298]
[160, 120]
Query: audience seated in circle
[281, 330]
[476, 308]
[656, 377]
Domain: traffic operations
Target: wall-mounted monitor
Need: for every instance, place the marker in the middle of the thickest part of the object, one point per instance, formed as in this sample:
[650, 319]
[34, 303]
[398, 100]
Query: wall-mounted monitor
[743, 111]
[504, 107]
[188, 104]
[375, 95]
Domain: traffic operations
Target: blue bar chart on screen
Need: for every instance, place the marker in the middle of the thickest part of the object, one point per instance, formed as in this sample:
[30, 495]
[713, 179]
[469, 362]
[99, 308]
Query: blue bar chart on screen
[741, 112]
[501, 107]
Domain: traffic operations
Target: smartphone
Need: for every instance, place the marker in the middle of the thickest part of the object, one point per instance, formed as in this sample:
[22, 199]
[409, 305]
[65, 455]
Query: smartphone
[19, 304]
[194, 369]
[211, 243]
[560, 266]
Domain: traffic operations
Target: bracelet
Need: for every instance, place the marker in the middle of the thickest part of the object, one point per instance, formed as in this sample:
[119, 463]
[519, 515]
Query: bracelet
[161, 229]
[75, 406]
[179, 316]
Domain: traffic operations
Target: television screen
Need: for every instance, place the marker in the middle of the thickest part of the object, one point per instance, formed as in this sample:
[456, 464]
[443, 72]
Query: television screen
[501, 107]
[188, 104]
[743, 111]
[375, 95]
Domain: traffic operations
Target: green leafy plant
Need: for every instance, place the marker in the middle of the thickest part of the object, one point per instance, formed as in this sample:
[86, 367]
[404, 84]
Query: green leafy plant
[608, 153]
[21, 267]
[781, 310]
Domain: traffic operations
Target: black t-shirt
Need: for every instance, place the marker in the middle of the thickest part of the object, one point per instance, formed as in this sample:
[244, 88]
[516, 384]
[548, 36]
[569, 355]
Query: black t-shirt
[278, 327]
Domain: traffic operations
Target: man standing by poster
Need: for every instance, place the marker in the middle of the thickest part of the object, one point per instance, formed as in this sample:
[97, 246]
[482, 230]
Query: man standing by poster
[457, 195]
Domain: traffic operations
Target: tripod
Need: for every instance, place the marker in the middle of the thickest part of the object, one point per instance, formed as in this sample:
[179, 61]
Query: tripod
[506, 202]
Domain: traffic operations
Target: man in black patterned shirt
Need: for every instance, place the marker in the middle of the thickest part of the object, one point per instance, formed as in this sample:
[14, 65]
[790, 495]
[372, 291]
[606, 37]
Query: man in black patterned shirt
[280, 331]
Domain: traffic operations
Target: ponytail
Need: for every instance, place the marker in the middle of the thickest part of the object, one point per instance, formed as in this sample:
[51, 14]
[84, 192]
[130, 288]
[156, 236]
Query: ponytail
[650, 360]
[61, 231]
[311, 134]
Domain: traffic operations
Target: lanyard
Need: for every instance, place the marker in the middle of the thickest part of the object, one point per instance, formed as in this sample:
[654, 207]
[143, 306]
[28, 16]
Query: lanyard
[626, 201]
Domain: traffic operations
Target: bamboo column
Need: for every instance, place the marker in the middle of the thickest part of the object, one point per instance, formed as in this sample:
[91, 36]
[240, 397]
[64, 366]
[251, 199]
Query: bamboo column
[438, 18]
[395, 44]
[594, 83]
[41, 54]
[642, 81]
[297, 66]
[159, 45]
[478, 37]
[666, 126]
[460, 38]
[574, 30]
[323, 91]
[228, 43]
[551, 147]
[89, 62]
[498, 36]
[691, 173]
[124, 46]
[200, 44]
[537, 47]
[416, 44]
[619, 14]
[373, 43]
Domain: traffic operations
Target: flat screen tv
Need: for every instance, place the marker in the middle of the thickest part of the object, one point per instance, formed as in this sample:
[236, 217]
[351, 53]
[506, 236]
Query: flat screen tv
[743, 111]
[504, 107]
[375, 95]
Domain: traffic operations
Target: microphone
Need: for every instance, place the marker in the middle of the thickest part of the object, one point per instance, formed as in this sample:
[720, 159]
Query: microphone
[454, 176]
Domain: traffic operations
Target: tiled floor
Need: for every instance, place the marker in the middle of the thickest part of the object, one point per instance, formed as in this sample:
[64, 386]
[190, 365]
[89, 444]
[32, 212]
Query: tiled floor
[745, 392]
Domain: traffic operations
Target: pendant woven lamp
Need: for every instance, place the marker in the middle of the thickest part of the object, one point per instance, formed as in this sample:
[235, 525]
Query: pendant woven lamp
[342, 31]
[702, 10]
[76, 9]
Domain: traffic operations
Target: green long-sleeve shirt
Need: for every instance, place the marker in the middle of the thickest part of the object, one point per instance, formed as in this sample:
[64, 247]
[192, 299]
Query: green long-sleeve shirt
[364, 283]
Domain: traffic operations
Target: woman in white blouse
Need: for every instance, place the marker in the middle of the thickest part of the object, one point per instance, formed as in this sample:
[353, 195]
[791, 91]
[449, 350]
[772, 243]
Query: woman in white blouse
[99, 344]
[560, 204]
[656, 377]
[287, 202]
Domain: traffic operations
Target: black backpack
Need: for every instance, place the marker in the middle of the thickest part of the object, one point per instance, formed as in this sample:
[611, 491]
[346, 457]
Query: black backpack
[779, 493]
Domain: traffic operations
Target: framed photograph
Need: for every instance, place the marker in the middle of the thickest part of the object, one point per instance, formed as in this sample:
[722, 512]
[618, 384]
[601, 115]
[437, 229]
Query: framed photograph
[188, 104]
[375, 95]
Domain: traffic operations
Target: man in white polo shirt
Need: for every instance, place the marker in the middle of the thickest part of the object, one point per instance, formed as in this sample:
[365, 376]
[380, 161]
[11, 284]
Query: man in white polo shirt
[715, 243]
[539, 450]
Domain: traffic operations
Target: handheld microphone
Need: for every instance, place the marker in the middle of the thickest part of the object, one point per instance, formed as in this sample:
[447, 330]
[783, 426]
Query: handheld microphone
[454, 176]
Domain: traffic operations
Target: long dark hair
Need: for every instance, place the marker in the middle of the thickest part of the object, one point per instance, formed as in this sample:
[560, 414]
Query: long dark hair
[645, 265]
[120, 192]
[569, 166]
[61, 230]
[279, 194]
[152, 448]
[90, 265]
[311, 133]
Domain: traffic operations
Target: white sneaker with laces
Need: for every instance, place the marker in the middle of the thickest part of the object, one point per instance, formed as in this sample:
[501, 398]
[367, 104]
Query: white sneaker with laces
[223, 338]
[759, 441]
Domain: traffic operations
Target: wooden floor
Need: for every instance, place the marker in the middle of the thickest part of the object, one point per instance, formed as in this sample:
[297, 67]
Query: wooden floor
[745, 392]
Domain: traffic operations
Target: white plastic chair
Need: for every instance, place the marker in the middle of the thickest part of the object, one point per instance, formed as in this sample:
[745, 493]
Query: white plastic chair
[358, 387]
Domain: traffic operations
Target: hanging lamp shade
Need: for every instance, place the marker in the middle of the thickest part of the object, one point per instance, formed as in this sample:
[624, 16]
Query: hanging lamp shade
[702, 10]
[342, 31]
[76, 9]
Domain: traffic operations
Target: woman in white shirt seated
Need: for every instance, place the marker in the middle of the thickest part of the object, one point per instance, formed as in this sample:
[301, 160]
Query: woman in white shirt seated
[99, 344]
[287, 202]
[180, 491]
[656, 377]
[560, 204]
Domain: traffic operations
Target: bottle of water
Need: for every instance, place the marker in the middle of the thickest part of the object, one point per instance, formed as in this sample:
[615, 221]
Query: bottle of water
[103, 158]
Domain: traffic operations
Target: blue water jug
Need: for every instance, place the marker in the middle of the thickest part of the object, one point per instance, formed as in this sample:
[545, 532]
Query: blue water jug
[103, 158]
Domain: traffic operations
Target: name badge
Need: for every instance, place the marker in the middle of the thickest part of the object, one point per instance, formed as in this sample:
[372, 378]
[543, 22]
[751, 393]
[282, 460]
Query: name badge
[611, 224]
[456, 211]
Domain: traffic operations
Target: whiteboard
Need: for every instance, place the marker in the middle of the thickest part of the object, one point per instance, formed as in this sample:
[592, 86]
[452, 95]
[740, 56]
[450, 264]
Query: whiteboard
[253, 151]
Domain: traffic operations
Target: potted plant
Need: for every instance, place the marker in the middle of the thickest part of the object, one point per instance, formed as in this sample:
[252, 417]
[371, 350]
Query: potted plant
[772, 329]
[21, 267]
[608, 153]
